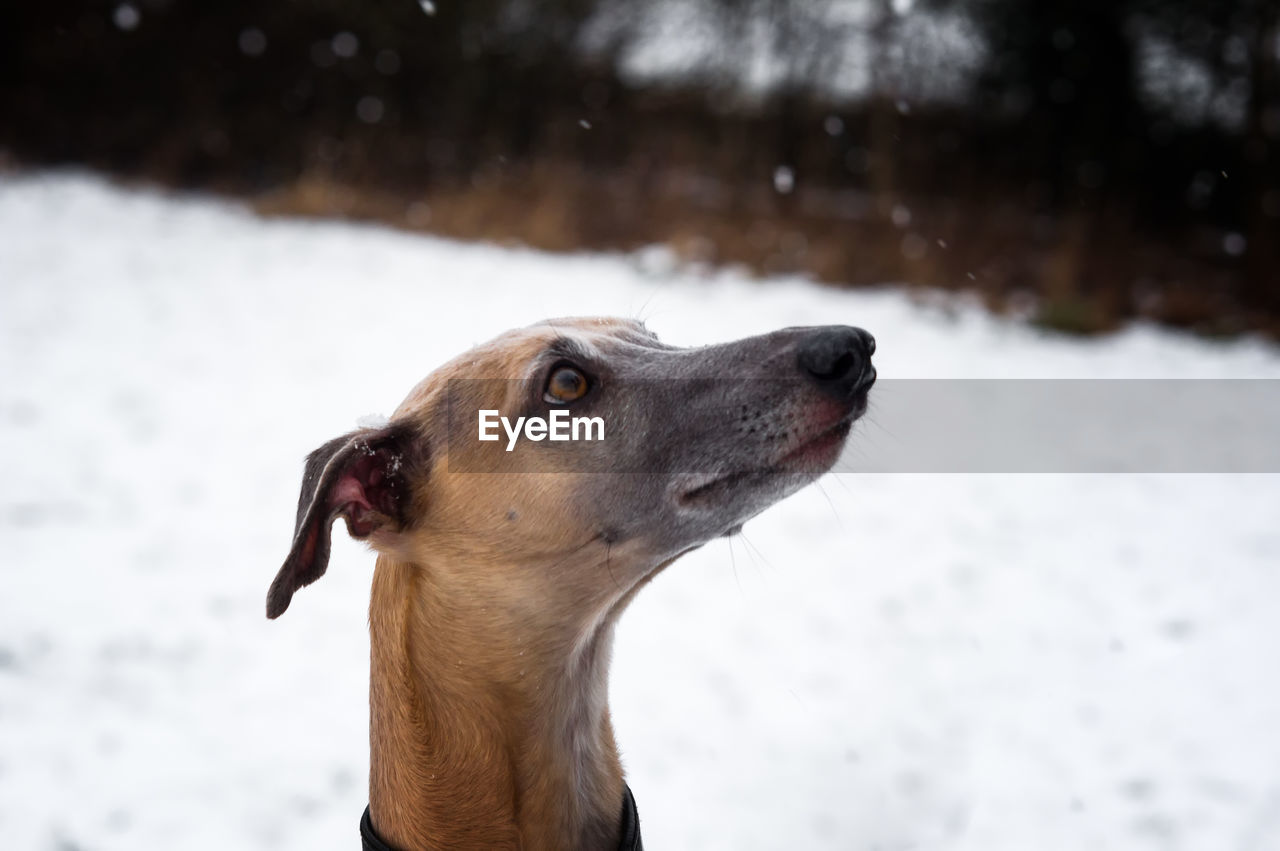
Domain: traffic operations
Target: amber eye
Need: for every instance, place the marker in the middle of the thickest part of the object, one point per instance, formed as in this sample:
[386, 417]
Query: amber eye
[566, 384]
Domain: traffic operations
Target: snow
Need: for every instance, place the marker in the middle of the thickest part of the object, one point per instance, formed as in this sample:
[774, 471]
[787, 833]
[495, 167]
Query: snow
[995, 662]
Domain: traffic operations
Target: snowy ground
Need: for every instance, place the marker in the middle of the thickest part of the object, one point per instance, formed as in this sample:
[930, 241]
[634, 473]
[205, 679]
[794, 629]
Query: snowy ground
[991, 662]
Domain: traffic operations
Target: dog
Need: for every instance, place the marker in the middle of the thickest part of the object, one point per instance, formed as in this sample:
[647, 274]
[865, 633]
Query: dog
[503, 565]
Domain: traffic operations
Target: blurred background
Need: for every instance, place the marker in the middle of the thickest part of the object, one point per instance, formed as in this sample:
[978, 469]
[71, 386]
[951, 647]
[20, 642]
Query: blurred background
[1082, 162]
[230, 230]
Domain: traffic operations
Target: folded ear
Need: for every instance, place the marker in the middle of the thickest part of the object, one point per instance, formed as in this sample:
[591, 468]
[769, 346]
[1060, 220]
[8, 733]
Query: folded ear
[359, 476]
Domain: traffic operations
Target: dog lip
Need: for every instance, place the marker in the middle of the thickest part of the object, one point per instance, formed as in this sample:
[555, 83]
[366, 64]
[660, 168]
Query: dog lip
[819, 444]
[805, 458]
[704, 489]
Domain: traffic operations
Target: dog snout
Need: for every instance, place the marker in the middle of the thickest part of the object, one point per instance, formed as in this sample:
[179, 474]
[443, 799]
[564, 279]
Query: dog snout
[839, 359]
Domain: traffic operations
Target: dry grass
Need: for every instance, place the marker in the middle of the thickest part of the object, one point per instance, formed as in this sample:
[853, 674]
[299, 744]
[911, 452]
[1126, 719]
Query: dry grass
[1071, 276]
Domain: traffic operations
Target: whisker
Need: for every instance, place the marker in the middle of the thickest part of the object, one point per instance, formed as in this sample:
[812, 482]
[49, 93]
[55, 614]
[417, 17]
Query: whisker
[818, 483]
[640, 317]
[733, 561]
[758, 552]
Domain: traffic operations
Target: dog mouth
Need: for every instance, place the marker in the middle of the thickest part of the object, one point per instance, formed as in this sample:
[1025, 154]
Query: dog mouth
[820, 451]
[813, 457]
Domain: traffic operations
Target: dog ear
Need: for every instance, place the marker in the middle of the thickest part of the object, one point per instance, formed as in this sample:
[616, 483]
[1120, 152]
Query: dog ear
[359, 476]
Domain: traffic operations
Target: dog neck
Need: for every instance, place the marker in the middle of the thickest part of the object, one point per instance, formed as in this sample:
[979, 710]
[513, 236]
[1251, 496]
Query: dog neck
[487, 729]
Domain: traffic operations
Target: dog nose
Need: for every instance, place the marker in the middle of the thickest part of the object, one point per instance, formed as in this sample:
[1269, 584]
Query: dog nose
[838, 358]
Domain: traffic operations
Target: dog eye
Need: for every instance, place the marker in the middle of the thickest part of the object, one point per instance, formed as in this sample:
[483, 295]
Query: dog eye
[566, 384]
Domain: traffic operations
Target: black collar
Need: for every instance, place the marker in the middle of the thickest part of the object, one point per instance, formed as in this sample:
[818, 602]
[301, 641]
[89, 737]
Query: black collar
[370, 841]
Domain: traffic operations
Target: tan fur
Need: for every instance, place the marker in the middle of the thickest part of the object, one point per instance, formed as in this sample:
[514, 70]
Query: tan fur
[489, 716]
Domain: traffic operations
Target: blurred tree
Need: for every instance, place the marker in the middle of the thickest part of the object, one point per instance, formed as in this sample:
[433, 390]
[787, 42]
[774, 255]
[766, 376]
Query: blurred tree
[1071, 72]
[1072, 66]
[1070, 131]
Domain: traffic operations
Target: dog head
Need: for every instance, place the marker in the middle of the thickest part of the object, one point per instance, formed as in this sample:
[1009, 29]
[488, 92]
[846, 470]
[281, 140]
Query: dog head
[673, 447]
